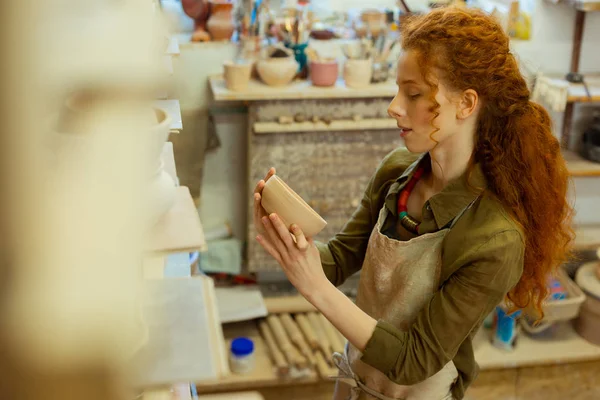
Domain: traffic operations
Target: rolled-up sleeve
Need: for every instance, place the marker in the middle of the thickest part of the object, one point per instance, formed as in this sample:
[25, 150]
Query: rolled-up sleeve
[487, 274]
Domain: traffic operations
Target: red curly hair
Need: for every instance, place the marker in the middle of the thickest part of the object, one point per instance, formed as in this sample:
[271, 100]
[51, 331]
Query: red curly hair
[518, 154]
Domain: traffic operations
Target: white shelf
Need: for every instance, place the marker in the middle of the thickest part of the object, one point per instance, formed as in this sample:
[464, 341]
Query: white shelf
[173, 108]
[566, 346]
[179, 230]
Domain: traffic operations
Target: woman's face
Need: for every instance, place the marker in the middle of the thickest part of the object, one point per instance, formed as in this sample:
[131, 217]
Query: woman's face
[411, 108]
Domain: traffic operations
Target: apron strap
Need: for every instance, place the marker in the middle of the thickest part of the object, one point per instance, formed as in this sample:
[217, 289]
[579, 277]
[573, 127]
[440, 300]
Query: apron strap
[347, 376]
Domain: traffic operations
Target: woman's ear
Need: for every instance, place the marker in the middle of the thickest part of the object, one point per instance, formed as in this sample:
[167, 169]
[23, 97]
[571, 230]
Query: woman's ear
[468, 104]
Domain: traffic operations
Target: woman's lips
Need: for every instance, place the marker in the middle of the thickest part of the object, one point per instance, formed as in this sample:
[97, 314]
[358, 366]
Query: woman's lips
[404, 132]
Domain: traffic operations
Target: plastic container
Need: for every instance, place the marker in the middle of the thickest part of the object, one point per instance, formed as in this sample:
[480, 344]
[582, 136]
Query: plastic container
[560, 310]
[241, 357]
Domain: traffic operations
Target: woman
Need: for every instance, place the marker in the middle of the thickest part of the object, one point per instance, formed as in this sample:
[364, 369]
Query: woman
[475, 212]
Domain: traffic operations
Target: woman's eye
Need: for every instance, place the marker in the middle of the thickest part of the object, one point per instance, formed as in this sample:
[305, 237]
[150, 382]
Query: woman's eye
[414, 96]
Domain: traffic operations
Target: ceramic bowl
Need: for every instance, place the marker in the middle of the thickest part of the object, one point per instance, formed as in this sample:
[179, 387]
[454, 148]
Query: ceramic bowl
[324, 73]
[277, 71]
[279, 198]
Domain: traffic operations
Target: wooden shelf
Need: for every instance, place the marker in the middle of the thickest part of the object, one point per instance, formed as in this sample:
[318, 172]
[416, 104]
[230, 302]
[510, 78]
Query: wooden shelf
[564, 346]
[587, 6]
[298, 90]
[339, 125]
[179, 230]
[263, 374]
[579, 166]
[173, 108]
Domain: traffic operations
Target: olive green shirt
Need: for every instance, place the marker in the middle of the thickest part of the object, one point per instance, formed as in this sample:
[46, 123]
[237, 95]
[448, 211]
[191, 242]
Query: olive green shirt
[482, 260]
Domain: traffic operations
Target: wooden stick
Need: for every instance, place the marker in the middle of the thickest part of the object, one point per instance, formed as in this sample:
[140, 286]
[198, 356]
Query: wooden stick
[300, 360]
[331, 335]
[296, 337]
[282, 340]
[276, 355]
[324, 344]
[322, 365]
[308, 331]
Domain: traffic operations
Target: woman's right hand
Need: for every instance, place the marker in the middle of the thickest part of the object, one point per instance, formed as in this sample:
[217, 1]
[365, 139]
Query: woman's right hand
[259, 211]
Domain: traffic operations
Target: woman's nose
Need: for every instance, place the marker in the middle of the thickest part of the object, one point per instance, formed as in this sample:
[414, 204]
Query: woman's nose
[395, 109]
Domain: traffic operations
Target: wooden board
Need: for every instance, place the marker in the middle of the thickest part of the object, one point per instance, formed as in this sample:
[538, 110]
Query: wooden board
[298, 89]
[179, 230]
[566, 346]
[173, 108]
[264, 373]
[340, 125]
[579, 166]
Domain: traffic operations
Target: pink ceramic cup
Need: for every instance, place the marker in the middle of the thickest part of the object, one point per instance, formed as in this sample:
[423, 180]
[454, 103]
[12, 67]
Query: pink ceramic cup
[324, 73]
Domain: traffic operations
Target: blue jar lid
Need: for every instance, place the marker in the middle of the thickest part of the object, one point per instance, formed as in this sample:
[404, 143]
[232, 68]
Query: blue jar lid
[242, 346]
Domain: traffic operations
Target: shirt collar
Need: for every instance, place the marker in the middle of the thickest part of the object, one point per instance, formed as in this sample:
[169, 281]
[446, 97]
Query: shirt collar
[457, 195]
[447, 204]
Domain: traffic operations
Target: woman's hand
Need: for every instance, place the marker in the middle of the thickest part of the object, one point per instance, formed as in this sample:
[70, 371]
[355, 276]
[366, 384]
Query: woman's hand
[259, 211]
[298, 256]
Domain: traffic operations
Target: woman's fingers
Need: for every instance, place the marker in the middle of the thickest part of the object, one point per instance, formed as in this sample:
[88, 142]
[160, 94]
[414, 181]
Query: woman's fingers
[259, 186]
[282, 231]
[301, 242]
[274, 238]
[269, 248]
[270, 173]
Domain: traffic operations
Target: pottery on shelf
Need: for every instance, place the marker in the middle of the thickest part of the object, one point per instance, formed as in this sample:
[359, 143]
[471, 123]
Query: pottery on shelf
[220, 24]
[279, 198]
[237, 75]
[278, 68]
[324, 73]
[374, 21]
[358, 72]
[198, 10]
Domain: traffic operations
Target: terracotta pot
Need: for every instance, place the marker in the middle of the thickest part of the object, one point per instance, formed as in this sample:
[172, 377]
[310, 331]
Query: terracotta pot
[220, 23]
[279, 198]
[277, 71]
[324, 73]
[357, 73]
[237, 76]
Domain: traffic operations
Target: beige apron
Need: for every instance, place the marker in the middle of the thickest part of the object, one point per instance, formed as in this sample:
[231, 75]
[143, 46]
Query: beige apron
[397, 280]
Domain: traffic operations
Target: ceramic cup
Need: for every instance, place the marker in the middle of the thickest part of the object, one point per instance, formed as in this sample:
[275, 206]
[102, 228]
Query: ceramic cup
[324, 73]
[279, 198]
[237, 75]
[357, 73]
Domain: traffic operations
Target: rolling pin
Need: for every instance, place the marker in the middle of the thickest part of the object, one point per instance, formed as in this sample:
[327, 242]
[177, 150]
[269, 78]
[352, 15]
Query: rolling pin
[333, 338]
[291, 354]
[324, 344]
[308, 331]
[300, 361]
[296, 336]
[276, 355]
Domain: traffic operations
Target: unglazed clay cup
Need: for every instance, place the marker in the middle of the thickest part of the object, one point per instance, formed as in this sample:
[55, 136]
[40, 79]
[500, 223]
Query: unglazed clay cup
[279, 198]
[237, 75]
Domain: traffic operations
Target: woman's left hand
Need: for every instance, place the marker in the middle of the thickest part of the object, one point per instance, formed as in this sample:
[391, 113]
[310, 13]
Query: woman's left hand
[300, 260]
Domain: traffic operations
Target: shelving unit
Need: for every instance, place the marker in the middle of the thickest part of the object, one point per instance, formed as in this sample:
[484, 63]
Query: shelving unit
[582, 8]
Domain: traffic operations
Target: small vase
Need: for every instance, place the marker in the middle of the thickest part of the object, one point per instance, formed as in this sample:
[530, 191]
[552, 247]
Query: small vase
[220, 23]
